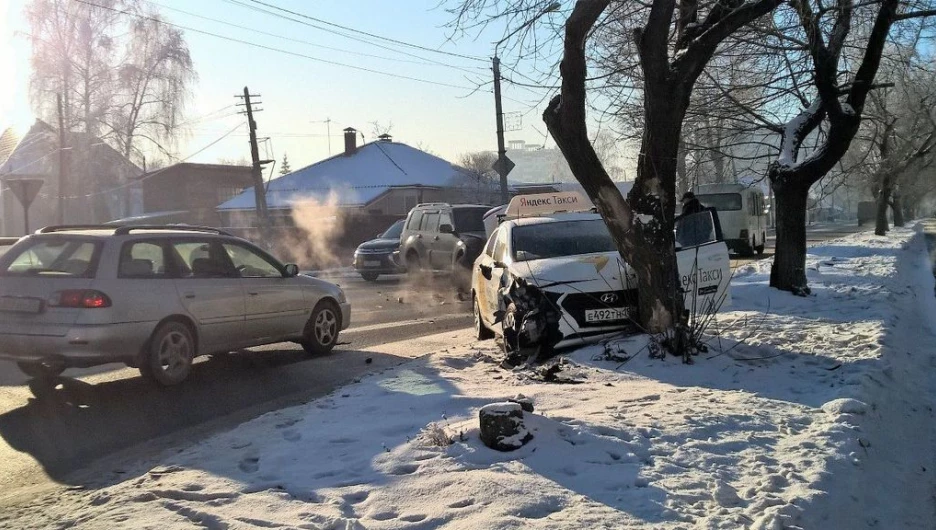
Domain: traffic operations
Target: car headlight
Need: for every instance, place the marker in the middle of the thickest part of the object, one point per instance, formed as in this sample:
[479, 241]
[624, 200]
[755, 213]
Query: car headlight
[342, 299]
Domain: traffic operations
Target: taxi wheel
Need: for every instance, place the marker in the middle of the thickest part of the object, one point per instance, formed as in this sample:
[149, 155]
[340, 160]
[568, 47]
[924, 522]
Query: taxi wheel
[481, 332]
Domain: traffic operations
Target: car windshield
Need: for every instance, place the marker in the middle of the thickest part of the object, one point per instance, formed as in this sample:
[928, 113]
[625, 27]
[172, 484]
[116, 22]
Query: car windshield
[394, 232]
[469, 219]
[51, 257]
[564, 238]
[721, 201]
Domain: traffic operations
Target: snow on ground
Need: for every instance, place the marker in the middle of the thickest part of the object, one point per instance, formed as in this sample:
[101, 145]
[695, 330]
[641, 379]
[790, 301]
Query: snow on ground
[806, 413]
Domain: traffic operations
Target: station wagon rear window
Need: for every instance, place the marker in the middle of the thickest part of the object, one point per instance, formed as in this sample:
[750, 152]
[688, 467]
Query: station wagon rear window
[721, 201]
[52, 257]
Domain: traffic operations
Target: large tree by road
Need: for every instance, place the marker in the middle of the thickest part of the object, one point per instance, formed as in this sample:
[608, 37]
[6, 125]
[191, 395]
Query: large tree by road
[845, 43]
[673, 47]
[795, 52]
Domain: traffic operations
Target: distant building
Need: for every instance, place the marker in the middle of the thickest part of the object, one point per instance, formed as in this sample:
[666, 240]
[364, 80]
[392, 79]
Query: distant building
[381, 178]
[98, 179]
[189, 193]
[365, 187]
[377, 182]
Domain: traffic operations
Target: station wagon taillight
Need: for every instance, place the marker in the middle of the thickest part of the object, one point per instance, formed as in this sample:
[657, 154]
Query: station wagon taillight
[80, 298]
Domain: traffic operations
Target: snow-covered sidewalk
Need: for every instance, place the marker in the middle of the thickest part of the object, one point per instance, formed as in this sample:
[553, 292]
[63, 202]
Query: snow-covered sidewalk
[806, 413]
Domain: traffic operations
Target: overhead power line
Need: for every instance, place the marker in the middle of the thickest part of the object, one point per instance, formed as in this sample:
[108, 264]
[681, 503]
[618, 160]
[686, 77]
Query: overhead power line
[361, 32]
[420, 60]
[326, 29]
[210, 116]
[271, 48]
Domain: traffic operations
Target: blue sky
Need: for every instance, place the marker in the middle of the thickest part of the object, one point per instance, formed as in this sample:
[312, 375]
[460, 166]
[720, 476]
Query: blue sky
[299, 93]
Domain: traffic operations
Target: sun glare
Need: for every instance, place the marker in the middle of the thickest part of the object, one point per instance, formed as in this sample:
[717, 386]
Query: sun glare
[14, 68]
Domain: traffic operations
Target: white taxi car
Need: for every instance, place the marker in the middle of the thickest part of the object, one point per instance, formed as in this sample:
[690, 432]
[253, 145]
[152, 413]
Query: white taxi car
[555, 243]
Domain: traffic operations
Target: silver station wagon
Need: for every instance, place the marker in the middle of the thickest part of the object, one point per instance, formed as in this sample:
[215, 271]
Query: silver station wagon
[154, 298]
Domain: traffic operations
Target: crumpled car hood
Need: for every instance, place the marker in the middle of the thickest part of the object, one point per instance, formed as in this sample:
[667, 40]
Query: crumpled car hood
[588, 273]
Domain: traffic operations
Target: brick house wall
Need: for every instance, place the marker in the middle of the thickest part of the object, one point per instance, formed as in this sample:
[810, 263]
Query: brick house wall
[196, 188]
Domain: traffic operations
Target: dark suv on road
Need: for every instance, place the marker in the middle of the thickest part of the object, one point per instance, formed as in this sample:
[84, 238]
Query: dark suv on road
[375, 257]
[443, 237]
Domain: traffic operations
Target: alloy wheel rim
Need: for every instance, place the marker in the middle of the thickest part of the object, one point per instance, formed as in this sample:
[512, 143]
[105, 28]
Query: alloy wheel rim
[175, 353]
[326, 325]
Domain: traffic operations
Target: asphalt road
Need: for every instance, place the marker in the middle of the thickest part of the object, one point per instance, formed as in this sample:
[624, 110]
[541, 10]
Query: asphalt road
[50, 433]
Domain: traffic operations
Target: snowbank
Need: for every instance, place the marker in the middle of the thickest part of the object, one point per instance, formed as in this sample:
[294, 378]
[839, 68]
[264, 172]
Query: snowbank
[807, 412]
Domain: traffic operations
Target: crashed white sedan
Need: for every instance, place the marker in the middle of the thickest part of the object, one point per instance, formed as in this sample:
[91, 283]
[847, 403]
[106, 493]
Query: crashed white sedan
[550, 275]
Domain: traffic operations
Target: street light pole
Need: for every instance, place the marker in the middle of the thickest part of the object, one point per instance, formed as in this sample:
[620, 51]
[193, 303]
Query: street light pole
[503, 164]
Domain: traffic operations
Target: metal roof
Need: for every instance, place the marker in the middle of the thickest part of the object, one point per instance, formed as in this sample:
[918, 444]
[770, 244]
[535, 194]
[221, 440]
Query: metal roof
[356, 179]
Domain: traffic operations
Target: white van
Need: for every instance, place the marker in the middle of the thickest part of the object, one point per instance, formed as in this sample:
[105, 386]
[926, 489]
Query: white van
[742, 213]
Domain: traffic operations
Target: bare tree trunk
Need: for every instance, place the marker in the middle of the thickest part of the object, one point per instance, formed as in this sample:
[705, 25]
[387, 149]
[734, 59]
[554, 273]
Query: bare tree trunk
[652, 195]
[883, 202]
[897, 207]
[715, 154]
[909, 209]
[788, 271]
[682, 173]
[642, 225]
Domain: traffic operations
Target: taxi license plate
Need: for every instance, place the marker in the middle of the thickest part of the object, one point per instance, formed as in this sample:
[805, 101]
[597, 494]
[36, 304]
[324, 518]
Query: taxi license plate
[371, 263]
[15, 304]
[605, 315]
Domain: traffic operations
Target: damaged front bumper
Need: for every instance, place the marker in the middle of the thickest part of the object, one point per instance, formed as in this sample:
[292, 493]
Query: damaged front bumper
[537, 321]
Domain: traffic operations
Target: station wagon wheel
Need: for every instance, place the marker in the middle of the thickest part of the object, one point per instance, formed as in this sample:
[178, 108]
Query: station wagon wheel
[322, 330]
[170, 355]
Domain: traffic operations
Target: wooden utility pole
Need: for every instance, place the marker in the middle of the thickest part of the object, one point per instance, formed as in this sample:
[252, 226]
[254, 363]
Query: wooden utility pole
[60, 207]
[503, 165]
[263, 219]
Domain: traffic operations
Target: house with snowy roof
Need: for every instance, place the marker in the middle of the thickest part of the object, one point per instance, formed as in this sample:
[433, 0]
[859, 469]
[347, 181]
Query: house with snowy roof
[98, 180]
[381, 179]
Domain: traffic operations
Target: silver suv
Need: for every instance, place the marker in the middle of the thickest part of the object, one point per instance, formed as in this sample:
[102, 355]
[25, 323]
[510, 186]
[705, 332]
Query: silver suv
[154, 297]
